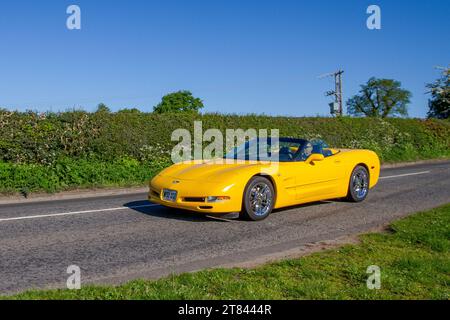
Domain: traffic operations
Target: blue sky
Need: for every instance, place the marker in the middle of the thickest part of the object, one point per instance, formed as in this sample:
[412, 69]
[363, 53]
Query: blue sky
[239, 56]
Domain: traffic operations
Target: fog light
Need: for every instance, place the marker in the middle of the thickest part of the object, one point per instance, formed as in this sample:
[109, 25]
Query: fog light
[217, 199]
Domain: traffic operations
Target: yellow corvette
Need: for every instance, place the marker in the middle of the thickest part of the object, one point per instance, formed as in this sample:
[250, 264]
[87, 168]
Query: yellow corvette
[304, 171]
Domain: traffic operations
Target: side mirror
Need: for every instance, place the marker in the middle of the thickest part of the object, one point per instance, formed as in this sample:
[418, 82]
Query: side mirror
[315, 157]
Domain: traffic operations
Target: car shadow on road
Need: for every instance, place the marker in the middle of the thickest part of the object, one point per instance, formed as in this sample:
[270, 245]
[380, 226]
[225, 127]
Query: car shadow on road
[306, 205]
[144, 207]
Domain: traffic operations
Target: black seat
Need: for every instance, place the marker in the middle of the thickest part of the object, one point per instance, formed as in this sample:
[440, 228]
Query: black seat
[285, 154]
[317, 148]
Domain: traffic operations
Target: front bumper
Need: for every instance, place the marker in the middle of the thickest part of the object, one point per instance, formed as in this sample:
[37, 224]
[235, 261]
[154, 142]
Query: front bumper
[189, 191]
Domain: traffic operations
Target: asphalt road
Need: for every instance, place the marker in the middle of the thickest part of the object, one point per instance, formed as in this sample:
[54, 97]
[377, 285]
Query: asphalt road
[115, 239]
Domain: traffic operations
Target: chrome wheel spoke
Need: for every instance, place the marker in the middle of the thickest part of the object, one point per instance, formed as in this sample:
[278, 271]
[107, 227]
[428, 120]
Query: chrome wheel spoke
[360, 184]
[260, 198]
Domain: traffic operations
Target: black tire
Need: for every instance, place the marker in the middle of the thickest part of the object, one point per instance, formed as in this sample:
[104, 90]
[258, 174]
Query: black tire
[260, 192]
[358, 187]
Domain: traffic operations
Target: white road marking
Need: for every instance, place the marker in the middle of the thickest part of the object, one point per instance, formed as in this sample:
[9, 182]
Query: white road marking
[405, 175]
[76, 212]
[152, 205]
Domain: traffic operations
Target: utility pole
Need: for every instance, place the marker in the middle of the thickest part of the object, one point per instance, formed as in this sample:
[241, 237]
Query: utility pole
[336, 107]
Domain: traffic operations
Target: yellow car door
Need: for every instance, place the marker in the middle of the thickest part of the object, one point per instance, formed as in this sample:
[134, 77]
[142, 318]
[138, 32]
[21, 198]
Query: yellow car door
[318, 179]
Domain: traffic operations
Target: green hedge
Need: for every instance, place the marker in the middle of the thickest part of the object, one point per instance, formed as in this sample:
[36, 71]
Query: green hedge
[59, 151]
[69, 174]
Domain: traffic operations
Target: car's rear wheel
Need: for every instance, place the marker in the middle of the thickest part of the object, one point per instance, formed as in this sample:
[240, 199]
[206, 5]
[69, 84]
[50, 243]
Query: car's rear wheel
[358, 188]
[259, 199]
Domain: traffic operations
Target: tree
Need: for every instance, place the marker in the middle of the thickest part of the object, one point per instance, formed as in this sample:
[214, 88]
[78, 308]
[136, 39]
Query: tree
[439, 103]
[133, 110]
[380, 98]
[102, 108]
[180, 101]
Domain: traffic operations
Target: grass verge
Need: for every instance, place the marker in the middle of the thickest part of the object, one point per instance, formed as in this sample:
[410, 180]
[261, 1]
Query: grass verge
[414, 259]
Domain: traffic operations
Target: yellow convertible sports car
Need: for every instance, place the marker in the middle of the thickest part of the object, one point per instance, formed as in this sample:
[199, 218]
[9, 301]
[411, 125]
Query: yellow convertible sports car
[304, 171]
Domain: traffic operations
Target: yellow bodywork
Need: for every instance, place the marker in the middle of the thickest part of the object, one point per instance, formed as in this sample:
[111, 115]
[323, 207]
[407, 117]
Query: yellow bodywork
[294, 182]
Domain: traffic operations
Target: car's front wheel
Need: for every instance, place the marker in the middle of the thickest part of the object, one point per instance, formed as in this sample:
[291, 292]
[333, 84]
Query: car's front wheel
[259, 199]
[359, 184]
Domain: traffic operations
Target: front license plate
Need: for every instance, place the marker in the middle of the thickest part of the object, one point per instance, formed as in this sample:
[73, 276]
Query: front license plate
[169, 195]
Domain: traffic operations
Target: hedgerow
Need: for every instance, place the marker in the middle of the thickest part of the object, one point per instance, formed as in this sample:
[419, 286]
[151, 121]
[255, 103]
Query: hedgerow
[57, 151]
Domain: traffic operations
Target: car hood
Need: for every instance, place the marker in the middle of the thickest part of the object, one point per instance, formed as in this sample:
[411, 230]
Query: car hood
[209, 171]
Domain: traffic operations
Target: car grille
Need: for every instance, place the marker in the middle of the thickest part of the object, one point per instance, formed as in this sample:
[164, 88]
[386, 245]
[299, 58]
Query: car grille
[194, 199]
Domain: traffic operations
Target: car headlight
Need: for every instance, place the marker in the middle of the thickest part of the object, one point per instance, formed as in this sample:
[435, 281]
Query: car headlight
[217, 199]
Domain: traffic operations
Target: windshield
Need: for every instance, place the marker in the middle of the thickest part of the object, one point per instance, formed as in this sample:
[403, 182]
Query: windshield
[266, 149]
